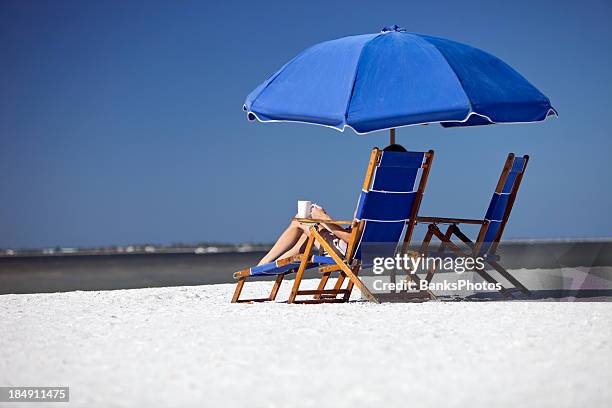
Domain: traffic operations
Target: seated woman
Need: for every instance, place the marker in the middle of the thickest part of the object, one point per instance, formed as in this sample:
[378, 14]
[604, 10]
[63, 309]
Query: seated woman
[293, 240]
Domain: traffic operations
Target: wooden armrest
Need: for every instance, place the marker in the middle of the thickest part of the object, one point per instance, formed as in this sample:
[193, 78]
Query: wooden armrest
[319, 221]
[445, 220]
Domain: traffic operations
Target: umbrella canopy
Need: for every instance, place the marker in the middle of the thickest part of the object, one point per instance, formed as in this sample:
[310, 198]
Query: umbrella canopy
[394, 78]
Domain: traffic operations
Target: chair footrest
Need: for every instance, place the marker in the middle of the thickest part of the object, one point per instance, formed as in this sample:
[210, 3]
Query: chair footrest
[332, 300]
[323, 292]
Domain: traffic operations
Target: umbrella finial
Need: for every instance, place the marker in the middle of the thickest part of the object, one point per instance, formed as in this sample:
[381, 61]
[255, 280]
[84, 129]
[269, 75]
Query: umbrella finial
[391, 28]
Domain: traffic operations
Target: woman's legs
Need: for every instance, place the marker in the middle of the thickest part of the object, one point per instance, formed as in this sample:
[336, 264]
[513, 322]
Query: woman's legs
[287, 241]
[298, 248]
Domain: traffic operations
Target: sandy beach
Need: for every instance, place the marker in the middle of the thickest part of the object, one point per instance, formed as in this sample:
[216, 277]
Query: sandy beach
[188, 346]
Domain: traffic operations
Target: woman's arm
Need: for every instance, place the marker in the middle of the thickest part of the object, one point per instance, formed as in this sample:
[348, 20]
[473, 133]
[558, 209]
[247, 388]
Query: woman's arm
[319, 213]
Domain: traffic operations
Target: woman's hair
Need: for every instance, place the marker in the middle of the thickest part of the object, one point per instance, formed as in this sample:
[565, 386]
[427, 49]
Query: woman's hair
[395, 148]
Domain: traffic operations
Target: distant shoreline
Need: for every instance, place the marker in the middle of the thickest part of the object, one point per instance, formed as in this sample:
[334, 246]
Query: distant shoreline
[135, 250]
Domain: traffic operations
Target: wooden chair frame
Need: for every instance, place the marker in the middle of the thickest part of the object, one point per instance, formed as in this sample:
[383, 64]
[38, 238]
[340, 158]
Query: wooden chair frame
[475, 247]
[346, 265]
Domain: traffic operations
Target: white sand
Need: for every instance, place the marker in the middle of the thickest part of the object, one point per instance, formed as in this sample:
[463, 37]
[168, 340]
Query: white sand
[189, 346]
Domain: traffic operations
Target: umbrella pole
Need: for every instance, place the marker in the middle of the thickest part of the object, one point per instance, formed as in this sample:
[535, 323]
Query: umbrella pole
[392, 136]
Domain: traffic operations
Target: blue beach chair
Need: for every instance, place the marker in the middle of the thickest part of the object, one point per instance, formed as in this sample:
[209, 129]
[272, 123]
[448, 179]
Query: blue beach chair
[491, 226]
[386, 212]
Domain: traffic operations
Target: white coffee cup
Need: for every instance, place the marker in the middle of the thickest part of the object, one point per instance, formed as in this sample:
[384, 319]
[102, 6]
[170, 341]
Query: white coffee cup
[304, 208]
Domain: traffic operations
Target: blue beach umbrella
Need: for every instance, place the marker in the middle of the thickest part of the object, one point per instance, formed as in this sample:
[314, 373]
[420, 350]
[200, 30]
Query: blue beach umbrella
[394, 78]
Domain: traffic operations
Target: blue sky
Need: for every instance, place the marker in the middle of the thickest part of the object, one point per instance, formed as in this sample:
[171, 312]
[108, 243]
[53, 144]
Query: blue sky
[121, 122]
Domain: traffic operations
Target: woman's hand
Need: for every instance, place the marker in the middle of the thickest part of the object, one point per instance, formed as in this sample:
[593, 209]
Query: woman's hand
[319, 213]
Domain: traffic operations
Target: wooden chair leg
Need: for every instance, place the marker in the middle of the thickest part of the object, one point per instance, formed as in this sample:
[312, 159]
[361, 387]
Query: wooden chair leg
[417, 280]
[238, 290]
[340, 281]
[424, 250]
[415, 277]
[503, 272]
[322, 284]
[430, 274]
[349, 285]
[463, 237]
[427, 240]
[459, 252]
[337, 287]
[490, 279]
[393, 278]
[302, 268]
[277, 283]
[447, 237]
[355, 281]
[349, 273]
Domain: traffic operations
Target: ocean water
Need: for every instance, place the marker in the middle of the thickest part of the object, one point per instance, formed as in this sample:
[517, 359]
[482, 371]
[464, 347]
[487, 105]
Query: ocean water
[39, 274]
